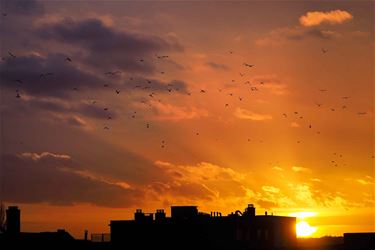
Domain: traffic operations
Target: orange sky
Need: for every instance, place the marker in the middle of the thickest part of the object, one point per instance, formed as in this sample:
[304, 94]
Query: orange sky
[292, 133]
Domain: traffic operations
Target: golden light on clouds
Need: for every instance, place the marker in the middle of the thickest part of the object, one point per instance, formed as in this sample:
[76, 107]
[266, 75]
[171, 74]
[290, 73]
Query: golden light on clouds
[249, 115]
[315, 18]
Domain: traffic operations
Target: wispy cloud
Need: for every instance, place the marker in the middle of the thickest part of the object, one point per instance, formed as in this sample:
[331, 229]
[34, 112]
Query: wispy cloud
[166, 111]
[249, 115]
[217, 66]
[297, 33]
[300, 169]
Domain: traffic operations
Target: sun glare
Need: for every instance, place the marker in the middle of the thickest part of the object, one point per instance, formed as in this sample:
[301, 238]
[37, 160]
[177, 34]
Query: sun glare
[302, 215]
[304, 229]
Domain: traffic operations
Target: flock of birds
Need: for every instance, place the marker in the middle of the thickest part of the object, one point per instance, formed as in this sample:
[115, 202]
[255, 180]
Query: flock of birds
[147, 86]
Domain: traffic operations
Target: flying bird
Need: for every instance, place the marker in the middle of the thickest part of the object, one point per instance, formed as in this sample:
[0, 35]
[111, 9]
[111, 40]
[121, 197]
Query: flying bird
[112, 73]
[324, 50]
[248, 65]
[11, 54]
[117, 91]
[161, 57]
[68, 59]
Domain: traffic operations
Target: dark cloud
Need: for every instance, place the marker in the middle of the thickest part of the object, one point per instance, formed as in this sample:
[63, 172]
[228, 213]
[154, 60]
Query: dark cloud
[94, 111]
[56, 106]
[141, 83]
[22, 7]
[107, 47]
[46, 177]
[217, 66]
[31, 74]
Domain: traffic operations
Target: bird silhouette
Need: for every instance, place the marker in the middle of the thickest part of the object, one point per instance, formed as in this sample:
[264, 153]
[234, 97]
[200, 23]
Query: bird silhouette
[11, 54]
[248, 65]
[68, 59]
[112, 73]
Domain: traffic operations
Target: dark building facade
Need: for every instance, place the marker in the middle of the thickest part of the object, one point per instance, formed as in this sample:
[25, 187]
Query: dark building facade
[359, 241]
[187, 228]
[13, 220]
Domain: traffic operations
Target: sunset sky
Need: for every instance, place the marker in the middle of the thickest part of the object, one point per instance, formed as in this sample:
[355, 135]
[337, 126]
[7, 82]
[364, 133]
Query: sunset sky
[109, 106]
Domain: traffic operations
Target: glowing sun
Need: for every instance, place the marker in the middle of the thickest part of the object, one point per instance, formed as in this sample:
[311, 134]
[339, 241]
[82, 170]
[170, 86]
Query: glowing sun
[304, 229]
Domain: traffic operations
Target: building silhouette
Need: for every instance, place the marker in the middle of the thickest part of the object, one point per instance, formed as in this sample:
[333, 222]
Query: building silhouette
[187, 228]
[13, 220]
[359, 241]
